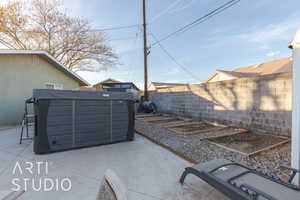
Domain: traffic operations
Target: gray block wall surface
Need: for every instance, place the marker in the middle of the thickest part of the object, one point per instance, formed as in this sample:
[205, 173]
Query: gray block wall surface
[258, 103]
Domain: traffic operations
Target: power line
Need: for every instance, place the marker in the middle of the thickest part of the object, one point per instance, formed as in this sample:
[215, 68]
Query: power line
[116, 28]
[96, 30]
[174, 59]
[199, 20]
[112, 39]
[135, 44]
[210, 16]
[120, 39]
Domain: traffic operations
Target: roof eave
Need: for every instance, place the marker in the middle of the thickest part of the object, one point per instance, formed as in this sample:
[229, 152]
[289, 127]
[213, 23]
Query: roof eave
[50, 58]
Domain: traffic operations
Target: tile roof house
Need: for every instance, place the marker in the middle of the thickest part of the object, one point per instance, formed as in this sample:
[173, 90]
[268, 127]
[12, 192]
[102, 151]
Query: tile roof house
[118, 86]
[100, 84]
[160, 85]
[112, 82]
[24, 70]
[271, 67]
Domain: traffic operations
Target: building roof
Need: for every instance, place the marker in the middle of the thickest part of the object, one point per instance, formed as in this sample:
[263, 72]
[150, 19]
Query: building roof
[109, 80]
[271, 67]
[231, 74]
[112, 81]
[237, 74]
[47, 57]
[161, 84]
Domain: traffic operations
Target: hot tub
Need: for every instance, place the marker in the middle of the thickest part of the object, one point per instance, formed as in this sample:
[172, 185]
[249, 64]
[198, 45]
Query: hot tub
[66, 119]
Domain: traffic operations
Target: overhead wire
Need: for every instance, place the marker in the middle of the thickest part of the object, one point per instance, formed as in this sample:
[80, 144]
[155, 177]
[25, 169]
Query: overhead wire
[120, 39]
[116, 28]
[135, 44]
[199, 20]
[174, 59]
[210, 16]
[185, 28]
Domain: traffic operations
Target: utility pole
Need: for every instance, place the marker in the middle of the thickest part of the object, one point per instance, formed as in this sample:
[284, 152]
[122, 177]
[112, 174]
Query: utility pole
[145, 53]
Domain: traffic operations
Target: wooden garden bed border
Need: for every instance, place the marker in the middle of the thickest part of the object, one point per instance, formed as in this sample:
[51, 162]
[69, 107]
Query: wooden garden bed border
[286, 140]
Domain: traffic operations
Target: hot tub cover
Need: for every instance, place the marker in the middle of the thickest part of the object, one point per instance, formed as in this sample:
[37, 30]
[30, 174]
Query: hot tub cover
[73, 94]
[67, 119]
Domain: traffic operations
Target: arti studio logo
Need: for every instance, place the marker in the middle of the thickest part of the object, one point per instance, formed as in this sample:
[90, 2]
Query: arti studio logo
[35, 176]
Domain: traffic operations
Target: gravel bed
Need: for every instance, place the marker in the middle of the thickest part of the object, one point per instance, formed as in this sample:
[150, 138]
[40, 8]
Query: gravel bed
[195, 148]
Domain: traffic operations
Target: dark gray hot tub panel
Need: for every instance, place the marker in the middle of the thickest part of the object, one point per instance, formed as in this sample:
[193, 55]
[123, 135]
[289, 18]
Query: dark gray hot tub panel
[73, 119]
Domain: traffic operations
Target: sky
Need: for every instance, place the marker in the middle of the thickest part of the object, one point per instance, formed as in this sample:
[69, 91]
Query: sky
[252, 31]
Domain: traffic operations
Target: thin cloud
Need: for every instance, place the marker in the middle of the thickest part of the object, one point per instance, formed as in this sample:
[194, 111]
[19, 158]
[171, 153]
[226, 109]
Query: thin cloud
[273, 53]
[274, 32]
[175, 7]
[184, 5]
[165, 11]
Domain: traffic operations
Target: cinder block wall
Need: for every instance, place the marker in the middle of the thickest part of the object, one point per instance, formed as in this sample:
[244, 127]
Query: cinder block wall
[257, 103]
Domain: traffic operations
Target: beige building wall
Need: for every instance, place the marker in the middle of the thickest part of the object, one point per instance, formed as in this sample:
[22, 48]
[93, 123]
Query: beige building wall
[19, 74]
[151, 87]
[221, 77]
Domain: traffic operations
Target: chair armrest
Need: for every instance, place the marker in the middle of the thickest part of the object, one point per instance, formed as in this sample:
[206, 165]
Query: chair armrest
[30, 100]
[294, 172]
[290, 168]
[255, 193]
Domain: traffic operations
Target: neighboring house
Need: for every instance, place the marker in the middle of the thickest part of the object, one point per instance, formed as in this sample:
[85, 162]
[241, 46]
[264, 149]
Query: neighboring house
[24, 70]
[99, 86]
[154, 86]
[271, 67]
[222, 75]
[114, 85]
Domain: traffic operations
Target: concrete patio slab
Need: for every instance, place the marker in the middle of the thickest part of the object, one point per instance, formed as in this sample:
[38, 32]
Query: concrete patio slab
[148, 171]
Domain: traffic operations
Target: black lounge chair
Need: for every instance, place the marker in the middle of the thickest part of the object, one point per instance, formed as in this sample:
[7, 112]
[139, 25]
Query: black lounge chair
[11, 195]
[240, 182]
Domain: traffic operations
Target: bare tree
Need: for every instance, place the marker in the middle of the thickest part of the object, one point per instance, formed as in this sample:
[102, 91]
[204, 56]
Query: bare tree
[44, 25]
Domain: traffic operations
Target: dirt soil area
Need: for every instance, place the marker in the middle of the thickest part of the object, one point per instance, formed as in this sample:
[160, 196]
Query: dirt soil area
[192, 127]
[163, 121]
[248, 142]
[147, 116]
[197, 149]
